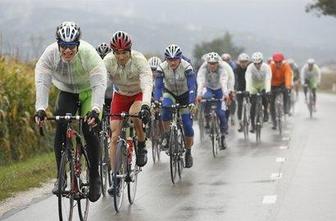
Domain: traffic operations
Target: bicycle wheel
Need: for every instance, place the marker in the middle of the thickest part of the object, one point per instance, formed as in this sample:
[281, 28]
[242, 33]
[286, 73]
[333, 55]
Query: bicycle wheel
[279, 116]
[258, 124]
[311, 105]
[173, 154]
[214, 135]
[104, 165]
[65, 198]
[118, 179]
[180, 149]
[245, 123]
[201, 123]
[153, 140]
[132, 174]
[82, 176]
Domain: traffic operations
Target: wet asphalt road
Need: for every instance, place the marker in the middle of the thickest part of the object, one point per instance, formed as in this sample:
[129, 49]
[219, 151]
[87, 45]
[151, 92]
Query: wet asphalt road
[284, 178]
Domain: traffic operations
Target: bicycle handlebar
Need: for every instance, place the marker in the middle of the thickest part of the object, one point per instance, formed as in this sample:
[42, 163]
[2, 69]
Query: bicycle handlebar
[124, 115]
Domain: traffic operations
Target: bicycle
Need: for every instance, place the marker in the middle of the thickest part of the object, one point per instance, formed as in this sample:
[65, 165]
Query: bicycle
[75, 165]
[125, 166]
[215, 133]
[104, 162]
[279, 108]
[176, 142]
[156, 132]
[310, 103]
[259, 116]
[200, 120]
[246, 112]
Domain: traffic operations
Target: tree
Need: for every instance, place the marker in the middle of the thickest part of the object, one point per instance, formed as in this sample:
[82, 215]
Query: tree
[323, 7]
[220, 45]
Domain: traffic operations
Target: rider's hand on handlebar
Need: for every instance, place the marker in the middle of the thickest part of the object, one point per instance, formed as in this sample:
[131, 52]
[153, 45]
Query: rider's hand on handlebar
[40, 116]
[92, 118]
[198, 99]
[144, 114]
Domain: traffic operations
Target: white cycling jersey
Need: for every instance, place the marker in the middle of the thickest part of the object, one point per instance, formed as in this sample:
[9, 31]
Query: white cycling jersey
[213, 80]
[133, 78]
[257, 80]
[84, 72]
[314, 75]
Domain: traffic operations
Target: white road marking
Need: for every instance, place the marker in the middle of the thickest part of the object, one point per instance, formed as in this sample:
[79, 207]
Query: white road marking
[285, 138]
[270, 199]
[280, 159]
[276, 176]
[283, 147]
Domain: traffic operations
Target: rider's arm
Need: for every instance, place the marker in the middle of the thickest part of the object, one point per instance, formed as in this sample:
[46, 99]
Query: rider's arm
[223, 77]
[268, 78]
[146, 80]
[98, 81]
[159, 85]
[288, 75]
[43, 77]
[201, 79]
[248, 78]
[231, 77]
[303, 70]
[191, 81]
[318, 77]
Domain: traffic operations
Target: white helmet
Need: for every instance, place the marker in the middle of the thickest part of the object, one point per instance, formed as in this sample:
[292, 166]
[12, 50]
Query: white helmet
[154, 62]
[173, 51]
[257, 57]
[103, 49]
[226, 57]
[311, 61]
[213, 57]
[243, 57]
[68, 32]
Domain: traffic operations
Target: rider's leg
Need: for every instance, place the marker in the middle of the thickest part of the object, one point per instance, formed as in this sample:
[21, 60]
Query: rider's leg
[265, 104]
[189, 137]
[166, 116]
[65, 103]
[252, 112]
[240, 109]
[272, 108]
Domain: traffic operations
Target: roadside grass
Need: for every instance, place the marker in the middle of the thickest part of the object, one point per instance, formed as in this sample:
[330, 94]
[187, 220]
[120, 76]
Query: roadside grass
[21, 176]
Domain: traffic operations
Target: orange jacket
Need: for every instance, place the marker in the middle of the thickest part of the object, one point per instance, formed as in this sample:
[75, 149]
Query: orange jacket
[282, 75]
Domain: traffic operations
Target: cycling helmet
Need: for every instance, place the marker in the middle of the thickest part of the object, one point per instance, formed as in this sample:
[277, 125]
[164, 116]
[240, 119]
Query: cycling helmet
[311, 61]
[103, 49]
[173, 51]
[154, 62]
[257, 57]
[226, 57]
[278, 57]
[68, 32]
[243, 57]
[120, 41]
[213, 57]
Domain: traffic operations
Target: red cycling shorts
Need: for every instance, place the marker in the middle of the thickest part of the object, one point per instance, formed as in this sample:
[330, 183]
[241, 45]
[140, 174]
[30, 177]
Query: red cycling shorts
[122, 103]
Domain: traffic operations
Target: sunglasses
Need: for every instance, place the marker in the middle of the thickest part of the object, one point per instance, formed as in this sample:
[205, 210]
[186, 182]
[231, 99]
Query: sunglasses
[70, 45]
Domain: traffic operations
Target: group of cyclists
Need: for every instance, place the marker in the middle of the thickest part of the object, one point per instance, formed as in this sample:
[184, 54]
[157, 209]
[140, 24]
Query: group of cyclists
[116, 77]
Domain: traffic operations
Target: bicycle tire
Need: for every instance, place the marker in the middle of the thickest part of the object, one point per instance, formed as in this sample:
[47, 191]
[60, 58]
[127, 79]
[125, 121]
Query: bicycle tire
[258, 123]
[214, 136]
[65, 212]
[245, 123]
[104, 167]
[83, 182]
[172, 155]
[180, 149]
[153, 140]
[118, 194]
[310, 105]
[201, 124]
[132, 173]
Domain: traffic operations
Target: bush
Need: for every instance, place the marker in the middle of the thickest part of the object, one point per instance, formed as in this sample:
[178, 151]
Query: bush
[327, 81]
[19, 137]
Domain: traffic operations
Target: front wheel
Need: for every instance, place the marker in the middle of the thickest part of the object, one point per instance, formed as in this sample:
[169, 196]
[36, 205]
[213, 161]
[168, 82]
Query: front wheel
[132, 174]
[214, 136]
[83, 182]
[118, 180]
[66, 201]
[173, 155]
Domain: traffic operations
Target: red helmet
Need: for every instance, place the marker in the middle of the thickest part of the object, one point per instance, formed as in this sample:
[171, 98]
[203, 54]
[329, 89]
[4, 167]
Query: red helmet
[120, 41]
[278, 57]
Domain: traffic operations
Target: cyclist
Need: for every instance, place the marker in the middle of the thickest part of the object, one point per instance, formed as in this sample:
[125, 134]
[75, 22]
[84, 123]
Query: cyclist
[76, 69]
[240, 84]
[132, 78]
[176, 83]
[281, 78]
[103, 49]
[258, 79]
[232, 101]
[212, 83]
[310, 77]
[296, 76]
[154, 62]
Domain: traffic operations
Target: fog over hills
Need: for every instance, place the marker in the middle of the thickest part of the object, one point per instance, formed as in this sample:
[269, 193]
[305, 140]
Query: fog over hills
[263, 25]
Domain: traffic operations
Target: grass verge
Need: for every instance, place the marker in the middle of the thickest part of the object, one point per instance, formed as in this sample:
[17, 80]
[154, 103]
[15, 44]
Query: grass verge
[21, 176]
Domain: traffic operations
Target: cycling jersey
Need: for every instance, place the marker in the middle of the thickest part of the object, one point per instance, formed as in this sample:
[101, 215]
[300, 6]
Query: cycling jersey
[231, 76]
[135, 77]
[240, 82]
[213, 80]
[176, 82]
[313, 76]
[85, 71]
[257, 80]
[282, 75]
